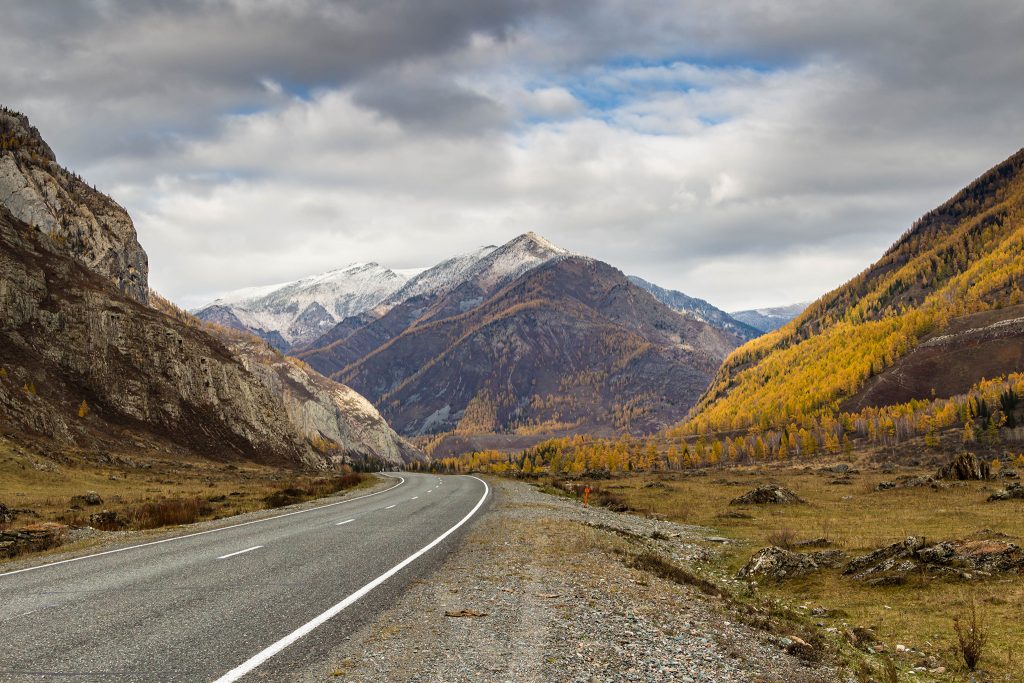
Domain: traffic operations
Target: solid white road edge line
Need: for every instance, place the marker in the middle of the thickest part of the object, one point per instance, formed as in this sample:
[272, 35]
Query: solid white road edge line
[261, 657]
[224, 557]
[203, 533]
[345, 522]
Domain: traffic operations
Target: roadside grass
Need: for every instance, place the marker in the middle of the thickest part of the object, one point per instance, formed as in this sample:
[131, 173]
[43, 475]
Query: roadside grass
[857, 519]
[155, 492]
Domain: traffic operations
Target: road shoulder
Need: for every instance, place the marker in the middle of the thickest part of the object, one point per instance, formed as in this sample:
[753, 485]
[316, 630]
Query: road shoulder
[543, 589]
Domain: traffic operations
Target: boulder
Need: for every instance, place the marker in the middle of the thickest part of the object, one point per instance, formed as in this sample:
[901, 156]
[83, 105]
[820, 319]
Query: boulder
[1012, 491]
[89, 498]
[7, 515]
[965, 467]
[107, 520]
[767, 494]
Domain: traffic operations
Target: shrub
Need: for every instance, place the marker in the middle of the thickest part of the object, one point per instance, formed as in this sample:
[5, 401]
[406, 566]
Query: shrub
[168, 512]
[971, 634]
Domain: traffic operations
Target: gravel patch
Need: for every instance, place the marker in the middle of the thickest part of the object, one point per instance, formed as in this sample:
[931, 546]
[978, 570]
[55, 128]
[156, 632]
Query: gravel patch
[541, 590]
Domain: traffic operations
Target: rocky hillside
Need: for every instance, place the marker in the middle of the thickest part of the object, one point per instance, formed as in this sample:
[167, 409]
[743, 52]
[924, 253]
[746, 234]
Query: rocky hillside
[86, 363]
[297, 313]
[699, 309]
[531, 339]
[932, 315]
[79, 222]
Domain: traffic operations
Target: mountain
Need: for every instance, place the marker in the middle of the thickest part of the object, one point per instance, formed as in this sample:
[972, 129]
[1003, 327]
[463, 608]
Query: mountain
[78, 221]
[92, 359]
[527, 337]
[940, 310]
[296, 313]
[699, 309]
[769, 319]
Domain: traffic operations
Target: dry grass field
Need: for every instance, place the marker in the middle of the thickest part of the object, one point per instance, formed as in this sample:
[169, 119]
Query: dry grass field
[146, 492]
[856, 518]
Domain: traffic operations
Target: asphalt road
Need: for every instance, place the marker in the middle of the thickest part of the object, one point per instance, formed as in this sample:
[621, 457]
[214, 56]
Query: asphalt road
[255, 602]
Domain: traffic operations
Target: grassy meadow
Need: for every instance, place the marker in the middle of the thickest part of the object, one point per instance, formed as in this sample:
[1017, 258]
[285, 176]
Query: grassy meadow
[856, 518]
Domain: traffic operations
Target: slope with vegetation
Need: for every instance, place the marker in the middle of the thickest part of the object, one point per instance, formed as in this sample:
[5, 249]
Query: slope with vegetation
[960, 259]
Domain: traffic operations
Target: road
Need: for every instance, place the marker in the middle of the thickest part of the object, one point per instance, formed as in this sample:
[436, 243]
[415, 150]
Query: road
[252, 602]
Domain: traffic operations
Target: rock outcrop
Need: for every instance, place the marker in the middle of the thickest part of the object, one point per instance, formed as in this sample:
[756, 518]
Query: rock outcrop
[778, 563]
[767, 494]
[76, 219]
[964, 558]
[333, 417]
[965, 467]
[1013, 491]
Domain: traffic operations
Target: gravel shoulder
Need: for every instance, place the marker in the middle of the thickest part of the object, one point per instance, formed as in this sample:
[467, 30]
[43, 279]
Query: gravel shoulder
[543, 589]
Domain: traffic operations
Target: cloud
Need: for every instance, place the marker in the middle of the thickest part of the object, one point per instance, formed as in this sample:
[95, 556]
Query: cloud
[749, 153]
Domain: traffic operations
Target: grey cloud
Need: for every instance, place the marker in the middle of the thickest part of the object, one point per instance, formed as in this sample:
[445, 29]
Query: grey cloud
[794, 133]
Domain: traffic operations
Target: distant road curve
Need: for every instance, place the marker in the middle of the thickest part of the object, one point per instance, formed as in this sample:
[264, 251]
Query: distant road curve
[250, 601]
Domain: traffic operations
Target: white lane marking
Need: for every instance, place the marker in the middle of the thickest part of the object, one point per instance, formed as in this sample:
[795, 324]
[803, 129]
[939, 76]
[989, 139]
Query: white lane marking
[261, 657]
[203, 533]
[247, 550]
[415, 498]
[430, 491]
[345, 522]
[389, 507]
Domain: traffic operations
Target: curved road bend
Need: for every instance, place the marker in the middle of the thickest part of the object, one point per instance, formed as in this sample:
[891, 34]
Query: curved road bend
[252, 602]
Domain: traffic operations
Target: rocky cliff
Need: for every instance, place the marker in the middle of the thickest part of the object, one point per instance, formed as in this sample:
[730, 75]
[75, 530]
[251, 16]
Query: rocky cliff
[90, 358]
[79, 221]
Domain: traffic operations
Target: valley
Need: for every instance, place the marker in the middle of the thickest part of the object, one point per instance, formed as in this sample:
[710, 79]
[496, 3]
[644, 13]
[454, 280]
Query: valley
[511, 342]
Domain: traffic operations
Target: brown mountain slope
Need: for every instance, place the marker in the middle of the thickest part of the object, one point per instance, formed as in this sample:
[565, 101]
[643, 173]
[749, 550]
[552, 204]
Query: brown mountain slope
[899, 329]
[572, 344]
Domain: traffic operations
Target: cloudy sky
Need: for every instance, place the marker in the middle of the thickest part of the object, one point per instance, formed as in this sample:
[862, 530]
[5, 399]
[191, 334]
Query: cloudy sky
[748, 152]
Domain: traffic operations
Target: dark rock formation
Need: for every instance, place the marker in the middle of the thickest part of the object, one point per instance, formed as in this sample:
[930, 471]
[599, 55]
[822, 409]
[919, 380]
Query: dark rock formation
[767, 494]
[964, 558]
[779, 564]
[965, 467]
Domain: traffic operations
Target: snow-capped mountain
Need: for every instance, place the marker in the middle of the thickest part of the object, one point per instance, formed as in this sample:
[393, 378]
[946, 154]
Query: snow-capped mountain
[488, 341]
[294, 313]
[699, 309]
[486, 267]
[768, 319]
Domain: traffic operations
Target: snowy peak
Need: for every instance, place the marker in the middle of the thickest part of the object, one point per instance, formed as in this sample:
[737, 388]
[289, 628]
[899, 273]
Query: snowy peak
[442, 277]
[302, 310]
[512, 259]
[486, 268]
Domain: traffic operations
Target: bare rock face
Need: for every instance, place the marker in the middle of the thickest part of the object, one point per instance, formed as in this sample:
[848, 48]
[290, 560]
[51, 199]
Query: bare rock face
[333, 417]
[768, 494]
[77, 220]
[965, 467]
[69, 336]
